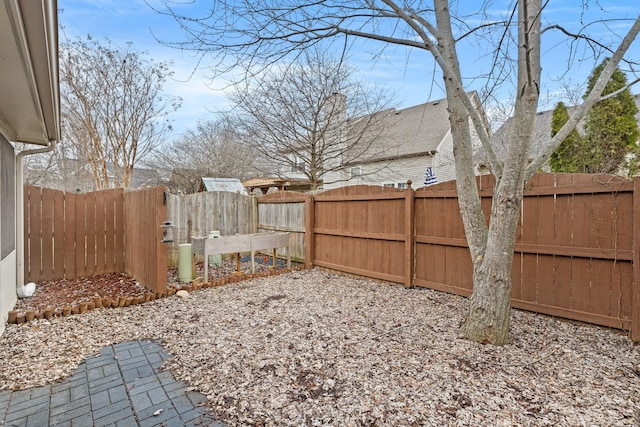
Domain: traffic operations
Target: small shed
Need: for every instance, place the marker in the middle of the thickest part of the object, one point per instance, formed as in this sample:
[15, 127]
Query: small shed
[232, 185]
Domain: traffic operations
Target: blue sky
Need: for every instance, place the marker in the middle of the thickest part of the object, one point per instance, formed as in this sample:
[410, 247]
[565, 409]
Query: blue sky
[409, 75]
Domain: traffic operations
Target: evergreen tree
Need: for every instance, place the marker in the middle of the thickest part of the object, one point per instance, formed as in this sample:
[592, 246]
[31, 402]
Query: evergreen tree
[610, 140]
[569, 156]
[611, 130]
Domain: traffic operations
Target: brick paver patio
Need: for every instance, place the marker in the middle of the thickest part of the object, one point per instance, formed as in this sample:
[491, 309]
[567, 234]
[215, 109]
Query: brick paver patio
[123, 386]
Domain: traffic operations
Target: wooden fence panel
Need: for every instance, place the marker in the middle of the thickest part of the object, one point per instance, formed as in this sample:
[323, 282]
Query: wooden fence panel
[573, 254]
[71, 235]
[229, 213]
[59, 240]
[119, 231]
[90, 230]
[197, 214]
[110, 235]
[81, 235]
[47, 233]
[100, 233]
[362, 230]
[284, 211]
[70, 238]
[33, 261]
[442, 258]
[145, 254]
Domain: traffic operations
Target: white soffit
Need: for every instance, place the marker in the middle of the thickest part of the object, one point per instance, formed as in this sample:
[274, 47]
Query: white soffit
[29, 88]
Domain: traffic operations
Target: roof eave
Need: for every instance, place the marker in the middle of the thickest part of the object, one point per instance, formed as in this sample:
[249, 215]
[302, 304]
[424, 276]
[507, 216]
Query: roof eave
[30, 108]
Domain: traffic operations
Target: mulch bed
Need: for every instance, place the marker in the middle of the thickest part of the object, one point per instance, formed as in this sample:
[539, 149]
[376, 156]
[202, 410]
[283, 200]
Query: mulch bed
[62, 297]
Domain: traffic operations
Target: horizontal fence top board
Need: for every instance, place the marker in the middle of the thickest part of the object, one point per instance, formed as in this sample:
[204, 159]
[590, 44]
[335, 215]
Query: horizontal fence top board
[283, 197]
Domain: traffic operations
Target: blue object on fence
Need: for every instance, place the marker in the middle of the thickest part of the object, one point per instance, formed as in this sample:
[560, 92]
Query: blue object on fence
[430, 177]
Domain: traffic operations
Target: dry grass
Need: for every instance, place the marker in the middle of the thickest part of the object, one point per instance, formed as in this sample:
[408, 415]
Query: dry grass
[311, 348]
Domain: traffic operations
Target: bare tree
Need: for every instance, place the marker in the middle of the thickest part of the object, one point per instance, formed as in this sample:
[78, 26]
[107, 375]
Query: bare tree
[113, 107]
[310, 117]
[59, 169]
[237, 32]
[212, 149]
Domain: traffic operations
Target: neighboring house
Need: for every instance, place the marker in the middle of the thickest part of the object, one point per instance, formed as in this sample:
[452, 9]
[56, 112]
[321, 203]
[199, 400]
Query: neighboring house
[29, 114]
[413, 144]
[232, 185]
[541, 135]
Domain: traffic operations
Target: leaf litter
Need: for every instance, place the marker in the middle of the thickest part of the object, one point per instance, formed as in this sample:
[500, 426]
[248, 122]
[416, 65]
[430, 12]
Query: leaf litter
[314, 348]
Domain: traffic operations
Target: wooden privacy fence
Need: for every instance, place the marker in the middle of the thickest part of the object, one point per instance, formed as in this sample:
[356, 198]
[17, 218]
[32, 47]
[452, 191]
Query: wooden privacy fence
[70, 235]
[145, 253]
[576, 253]
[284, 211]
[197, 214]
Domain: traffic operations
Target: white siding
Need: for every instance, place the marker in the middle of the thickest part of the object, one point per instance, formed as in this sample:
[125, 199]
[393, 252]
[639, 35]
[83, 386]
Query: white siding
[7, 230]
[397, 171]
[8, 279]
[444, 166]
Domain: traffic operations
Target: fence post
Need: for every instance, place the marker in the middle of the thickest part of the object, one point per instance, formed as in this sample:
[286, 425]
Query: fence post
[635, 291]
[255, 213]
[162, 261]
[409, 215]
[309, 225]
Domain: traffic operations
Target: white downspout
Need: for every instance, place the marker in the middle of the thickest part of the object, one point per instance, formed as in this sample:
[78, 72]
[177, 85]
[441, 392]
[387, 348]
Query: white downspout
[20, 209]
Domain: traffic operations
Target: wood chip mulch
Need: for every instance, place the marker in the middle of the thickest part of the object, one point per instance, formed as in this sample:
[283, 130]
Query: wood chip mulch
[59, 293]
[313, 348]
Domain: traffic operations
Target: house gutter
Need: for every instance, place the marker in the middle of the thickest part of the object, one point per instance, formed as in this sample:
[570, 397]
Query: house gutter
[38, 44]
[20, 208]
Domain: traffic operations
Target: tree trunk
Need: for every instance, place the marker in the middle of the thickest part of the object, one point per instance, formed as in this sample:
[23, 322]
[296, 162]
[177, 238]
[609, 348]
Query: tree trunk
[490, 305]
[490, 302]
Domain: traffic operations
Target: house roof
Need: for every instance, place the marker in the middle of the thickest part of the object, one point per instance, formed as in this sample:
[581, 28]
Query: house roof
[30, 105]
[417, 130]
[541, 131]
[223, 184]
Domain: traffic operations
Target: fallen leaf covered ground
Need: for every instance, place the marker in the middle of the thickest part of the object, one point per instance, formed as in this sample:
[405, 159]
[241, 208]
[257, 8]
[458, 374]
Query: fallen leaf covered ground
[313, 348]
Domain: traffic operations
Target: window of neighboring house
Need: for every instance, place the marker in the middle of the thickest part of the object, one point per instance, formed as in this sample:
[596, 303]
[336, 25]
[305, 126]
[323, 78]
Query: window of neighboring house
[8, 195]
[355, 172]
[297, 164]
[402, 185]
[389, 185]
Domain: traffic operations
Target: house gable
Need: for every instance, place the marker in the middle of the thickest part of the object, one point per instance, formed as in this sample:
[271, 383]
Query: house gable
[405, 144]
